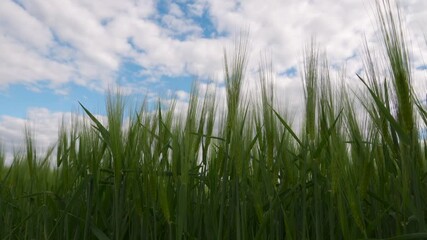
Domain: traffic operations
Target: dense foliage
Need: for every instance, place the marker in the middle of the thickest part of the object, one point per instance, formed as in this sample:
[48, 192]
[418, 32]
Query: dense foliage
[357, 168]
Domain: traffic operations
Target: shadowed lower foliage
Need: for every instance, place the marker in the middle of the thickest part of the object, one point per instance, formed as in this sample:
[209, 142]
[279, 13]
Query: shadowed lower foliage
[348, 173]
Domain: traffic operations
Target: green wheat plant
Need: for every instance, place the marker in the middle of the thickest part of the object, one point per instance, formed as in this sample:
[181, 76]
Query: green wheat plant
[355, 168]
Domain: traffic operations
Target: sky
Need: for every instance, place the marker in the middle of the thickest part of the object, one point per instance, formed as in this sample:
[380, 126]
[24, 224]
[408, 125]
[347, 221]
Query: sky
[55, 53]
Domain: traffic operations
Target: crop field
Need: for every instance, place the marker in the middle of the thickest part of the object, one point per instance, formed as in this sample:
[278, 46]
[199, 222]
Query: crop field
[355, 168]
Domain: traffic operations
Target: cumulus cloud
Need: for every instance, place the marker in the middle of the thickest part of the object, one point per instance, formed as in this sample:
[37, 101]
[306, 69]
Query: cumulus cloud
[42, 124]
[88, 42]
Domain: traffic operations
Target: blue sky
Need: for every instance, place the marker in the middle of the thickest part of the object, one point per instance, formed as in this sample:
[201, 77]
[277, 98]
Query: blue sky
[58, 52]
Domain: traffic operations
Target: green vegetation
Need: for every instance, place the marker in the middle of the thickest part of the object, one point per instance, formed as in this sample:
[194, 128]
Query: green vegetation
[350, 172]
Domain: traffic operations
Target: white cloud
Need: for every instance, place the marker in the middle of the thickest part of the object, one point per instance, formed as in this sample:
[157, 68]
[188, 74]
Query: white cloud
[21, 64]
[42, 123]
[12, 16]
[197, 8]
[43, 126]
[86, 42]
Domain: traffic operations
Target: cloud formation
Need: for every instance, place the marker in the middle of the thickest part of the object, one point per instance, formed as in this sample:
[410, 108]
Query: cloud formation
[89, 43]
[43, 126]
